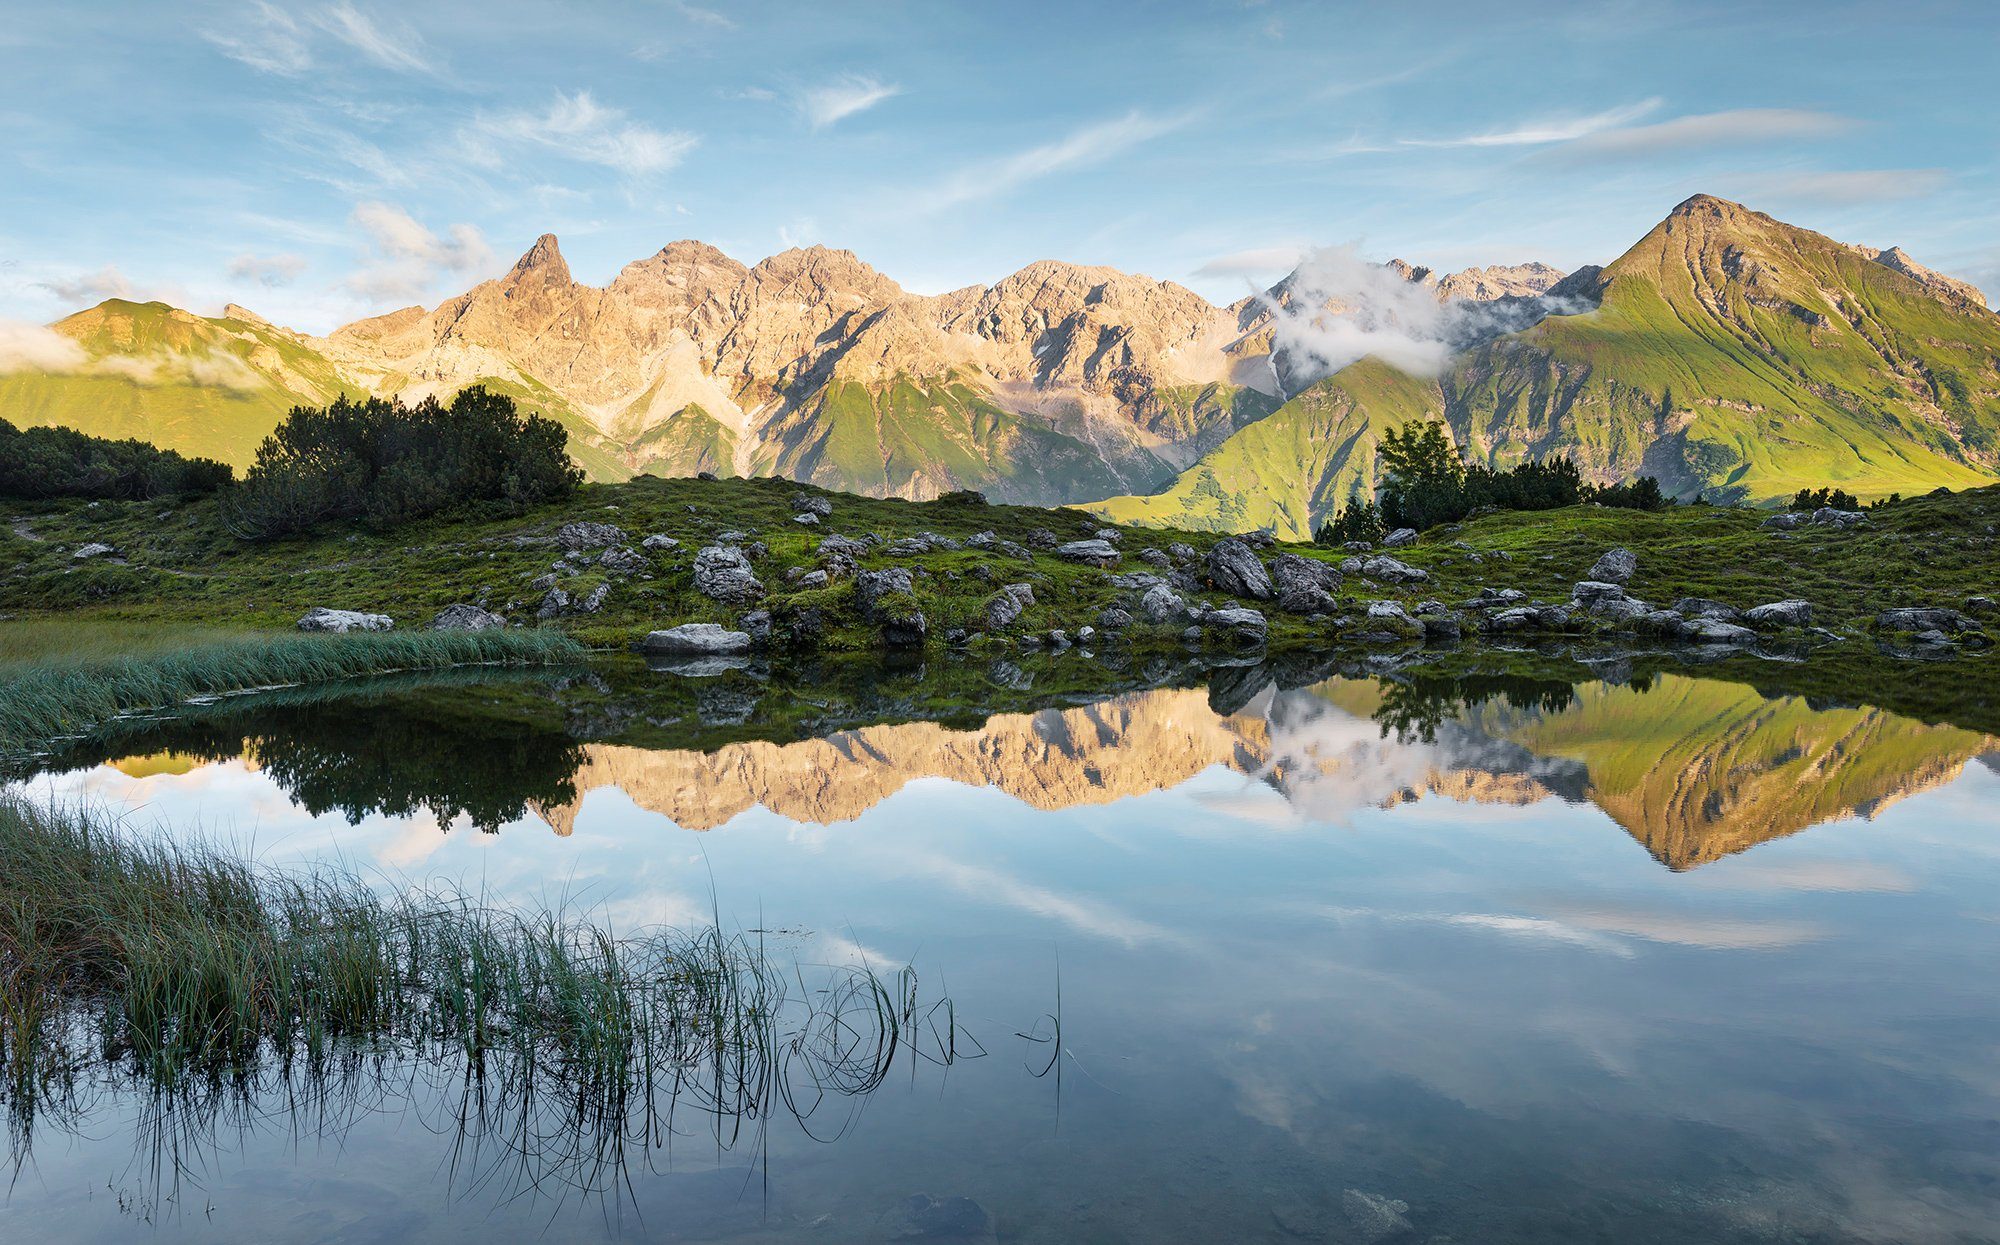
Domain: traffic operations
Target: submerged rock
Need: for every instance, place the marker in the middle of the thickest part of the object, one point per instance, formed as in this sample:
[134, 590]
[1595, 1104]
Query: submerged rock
[340, 622]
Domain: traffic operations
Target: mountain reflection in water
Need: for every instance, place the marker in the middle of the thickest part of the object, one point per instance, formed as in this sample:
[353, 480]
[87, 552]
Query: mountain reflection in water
[1694, 769]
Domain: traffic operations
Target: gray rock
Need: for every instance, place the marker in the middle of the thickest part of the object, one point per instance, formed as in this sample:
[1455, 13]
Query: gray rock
[1292, 570]
[758, 624]
[1111, 618]
[1085, 634]
[818, 507]
[1981, 605]
[1384, 569]
[1400, 537]
[1495, 598]
[1181, 552]
[1308, 601]
[1787, 522]
[1234, 569]
[463, 617]
[1006, 605]
[1155, 557]
[1827, 516]
[624, 560]
[806, 520]
[1162, 604]
[659, 542]
[813, 579]
[1703, 607]
[886, 601]
[842, 546]
[593, 601]
[1792, 613]
[921, 543]
[1618, 610]
[581, 536]
[1109, 535]
[1617, 566]
[1591, 591]
[95, 549]
[697, 639]
[1440, 628]
[722, 573]
[1918, 618]
[1089, 552]
[1375, 1217]
[1518, 618]
[1245, 625]
[1716, 631]
[340, 622]
[1043, 538]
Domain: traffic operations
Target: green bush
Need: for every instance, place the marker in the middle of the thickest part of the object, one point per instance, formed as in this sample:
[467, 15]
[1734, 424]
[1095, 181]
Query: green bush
[1358, 520]
[38, 463]
[1815, 499]
[381, 463]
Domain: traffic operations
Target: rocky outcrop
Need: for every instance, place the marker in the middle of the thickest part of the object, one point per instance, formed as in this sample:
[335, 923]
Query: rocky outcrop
[340, 622]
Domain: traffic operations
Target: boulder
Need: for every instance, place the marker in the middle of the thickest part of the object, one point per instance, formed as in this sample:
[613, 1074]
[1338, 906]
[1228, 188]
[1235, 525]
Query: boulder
[1155, 557]
[1716, 631]
[1400, 537]
[921, 543]
[1111, 618]
[95, 549]
[1827, 516]
[818, 507]
[1109, 535]
[1243, 625]
[1981, 605]
[1307, 600]
[1162, 604]
[586, 535]
[697, 639]
[1440, 628]
[806, 520]
[1234, 569]
[1384, 569]
[888, 599]
[1006, 605]
[1786, 522]
[593, 600]
[1591, 591]
[659, 542]
[464, 617]
[1089, 552]
[340, 622]
[1917, 618]
[722, 573]
[1779, 614]
[842, 546]
[1617, 566]
[1291, 570]
[624, 560]
[1703, 607]
[1388, 623]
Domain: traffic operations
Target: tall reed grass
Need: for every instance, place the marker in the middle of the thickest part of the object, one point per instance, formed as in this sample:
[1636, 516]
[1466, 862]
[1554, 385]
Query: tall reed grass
[187, 971]
[46, 698]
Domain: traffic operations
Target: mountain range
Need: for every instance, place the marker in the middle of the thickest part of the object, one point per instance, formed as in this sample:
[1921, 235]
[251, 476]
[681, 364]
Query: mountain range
[1726, 353]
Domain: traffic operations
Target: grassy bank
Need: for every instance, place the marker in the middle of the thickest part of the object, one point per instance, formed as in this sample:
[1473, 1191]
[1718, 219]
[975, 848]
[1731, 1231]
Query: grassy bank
[181, 967]
[181, 567]
[47, 691]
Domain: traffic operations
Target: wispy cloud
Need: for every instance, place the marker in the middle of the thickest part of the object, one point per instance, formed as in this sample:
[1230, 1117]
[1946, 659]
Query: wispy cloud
[271, 40]
[701, 16]
[1084, 148]
[26, 347]
[404, 259]
[1737, 127]
[577, 127]
[1255, 262]
[269, 271]
[1546, 130]
[88, 288]
[842, 98]
[1844, 187]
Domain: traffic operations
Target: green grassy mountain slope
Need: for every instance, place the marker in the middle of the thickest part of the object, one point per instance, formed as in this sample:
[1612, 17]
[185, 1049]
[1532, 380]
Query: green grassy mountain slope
[1729, 354]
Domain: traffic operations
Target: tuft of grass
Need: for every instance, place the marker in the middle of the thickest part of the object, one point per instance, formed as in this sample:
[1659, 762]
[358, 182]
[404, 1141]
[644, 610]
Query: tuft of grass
[183, 969]
[47, 697]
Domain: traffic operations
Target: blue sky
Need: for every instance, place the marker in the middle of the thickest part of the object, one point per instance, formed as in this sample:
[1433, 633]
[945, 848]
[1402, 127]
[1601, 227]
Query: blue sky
[322, 161]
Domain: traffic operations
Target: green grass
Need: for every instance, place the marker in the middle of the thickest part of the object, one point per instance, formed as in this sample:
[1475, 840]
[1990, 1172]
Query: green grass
[178, 968]
[50, 695]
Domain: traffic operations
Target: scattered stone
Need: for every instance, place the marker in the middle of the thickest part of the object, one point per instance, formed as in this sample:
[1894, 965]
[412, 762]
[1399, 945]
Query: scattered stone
[722, 573]
[1181, 552]
[659, 542]
[1245, 625]
[1307, 601]
[1716, 631]
[1162, 604]
[1494, 598]
[704, 475]
[701, 639]
[95, 549]
[731, 537]
[1093, 552]
[578, 537]
[1827, 516]
[990, 540]
[1440, 628]
[812, 580]
[1234, 569]
[818, 507]
[1702, 607]
[1085, 634]
[1006, 605]
[1981, 605]
[758, 624]
[1792, 613]
[463, 617]
[1591, 591]
[1400, 537]
[593, 601]
[1155, 557]
[1518, 618]
[1617, 566]
[340, 622]
[1043, 538]
[1059, 639]
[806, 520]
[921, 543]
[1262, 538]
[1111, 618]
[1109, 535]
[1384, 569]
[624, 560]
[842, 546]
[1387, 622]
[888, 599]
[1917, 618]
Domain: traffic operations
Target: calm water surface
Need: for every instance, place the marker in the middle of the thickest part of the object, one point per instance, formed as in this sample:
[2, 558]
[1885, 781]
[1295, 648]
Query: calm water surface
[1601, 963]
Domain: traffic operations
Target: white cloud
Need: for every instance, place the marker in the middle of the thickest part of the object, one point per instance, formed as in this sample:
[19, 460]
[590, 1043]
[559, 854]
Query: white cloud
[271, 40]
[1844, 187]
[26, 347]
[1545, 131]
[1734, 128]
[701, 16]
[269, 271]
[400, 50]
[405, 260]
[843, 97]
[1254, 263]
[89, 288]
[1091, 145]
[577, 127]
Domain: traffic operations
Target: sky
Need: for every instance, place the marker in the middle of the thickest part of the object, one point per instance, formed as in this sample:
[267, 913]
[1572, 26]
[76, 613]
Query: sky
[319, 162]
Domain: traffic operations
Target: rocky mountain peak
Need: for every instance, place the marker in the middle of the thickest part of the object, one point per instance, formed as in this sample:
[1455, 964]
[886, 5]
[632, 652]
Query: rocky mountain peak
[1898, 260]
[543, 262]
